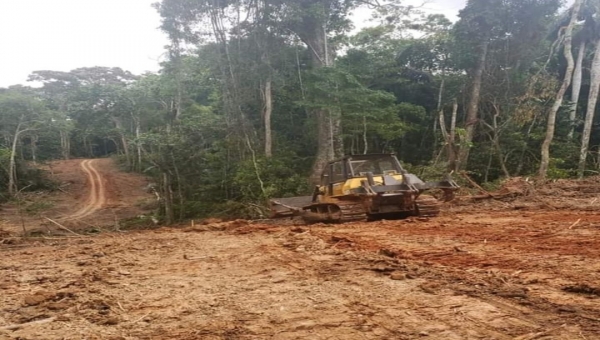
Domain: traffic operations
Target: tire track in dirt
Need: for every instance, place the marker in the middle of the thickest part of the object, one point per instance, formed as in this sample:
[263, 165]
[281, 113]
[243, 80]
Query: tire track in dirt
[97, 192]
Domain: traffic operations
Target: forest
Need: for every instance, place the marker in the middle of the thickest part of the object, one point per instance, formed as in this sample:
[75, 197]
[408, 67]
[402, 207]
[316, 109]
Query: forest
[256, 96]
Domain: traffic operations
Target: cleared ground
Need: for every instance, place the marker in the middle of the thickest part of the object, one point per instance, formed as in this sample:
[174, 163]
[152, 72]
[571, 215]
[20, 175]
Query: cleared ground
[526, 269]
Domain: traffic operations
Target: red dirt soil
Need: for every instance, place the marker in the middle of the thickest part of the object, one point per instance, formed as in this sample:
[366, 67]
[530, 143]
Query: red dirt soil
[517, 270]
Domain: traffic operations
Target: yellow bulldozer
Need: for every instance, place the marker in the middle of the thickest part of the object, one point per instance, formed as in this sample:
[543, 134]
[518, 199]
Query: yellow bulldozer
[366, 187]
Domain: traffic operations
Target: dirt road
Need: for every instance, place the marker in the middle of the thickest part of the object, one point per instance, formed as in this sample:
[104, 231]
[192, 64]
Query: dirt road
[97, 191]
[93, 193]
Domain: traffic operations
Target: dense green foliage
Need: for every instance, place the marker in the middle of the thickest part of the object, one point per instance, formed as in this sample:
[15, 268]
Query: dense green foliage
[255, 93]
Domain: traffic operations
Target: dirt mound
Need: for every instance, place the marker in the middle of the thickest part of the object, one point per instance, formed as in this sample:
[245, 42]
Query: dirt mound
[583, 188]
[515, 187]
[523, 193]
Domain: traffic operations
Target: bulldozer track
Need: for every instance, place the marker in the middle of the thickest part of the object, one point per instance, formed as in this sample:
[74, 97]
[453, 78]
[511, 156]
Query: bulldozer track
[344, 212]
[352, 212]
[428, 206]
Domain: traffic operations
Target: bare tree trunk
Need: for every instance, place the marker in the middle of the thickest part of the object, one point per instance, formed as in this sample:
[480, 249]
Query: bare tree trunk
[551, 125]
[576, 88]
[64, 144]
[473, 107]
[12, 169]
[12, 178]
[446, 137]
[486, 176]
[268, 98]
[119, 126]
[34, 140]
[138, 132]
[168, 198]
[338, 141]
[591, 110]
[449, 138]
[435, 121]
[496, 141]
[179, 186]
[452, 138]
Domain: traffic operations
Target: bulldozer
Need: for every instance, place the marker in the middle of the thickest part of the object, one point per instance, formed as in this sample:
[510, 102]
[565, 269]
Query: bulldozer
[366, 187]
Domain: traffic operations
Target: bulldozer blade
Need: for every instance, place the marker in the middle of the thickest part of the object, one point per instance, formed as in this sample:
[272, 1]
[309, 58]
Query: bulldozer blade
[289, 206]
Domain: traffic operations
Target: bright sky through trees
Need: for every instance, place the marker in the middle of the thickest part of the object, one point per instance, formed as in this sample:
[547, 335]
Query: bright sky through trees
[66, 34]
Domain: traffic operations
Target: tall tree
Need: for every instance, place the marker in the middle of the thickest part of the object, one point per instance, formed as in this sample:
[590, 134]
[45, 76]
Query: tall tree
[21, 112]
[478, 24]
[593, 94]
[551, 123]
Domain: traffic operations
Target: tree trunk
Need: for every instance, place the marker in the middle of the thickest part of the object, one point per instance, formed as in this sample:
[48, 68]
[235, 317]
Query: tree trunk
[435, 121]
[12, 178]
[328, 123]
[576, 88]
[524, 149]
[551, 125]
[138, 132]
[452, 138]
[449, 138]
[337, 140]
[495, 139]
[473, 107]
[486, 175]
[34, 140]
[268, 98]
[64, 144]
[168, 199]
[85, 145]
[179, 186]
[119, 126]
[591, 110]
[324, 144]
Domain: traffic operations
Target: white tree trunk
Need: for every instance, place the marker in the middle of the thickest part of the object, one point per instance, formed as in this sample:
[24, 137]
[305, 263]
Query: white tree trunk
[12, 170]
[119, 126]
[435, 121]
[138, 131]
[64, 144]
[473, 107]
[576, 88]
[268, 98]
[551, 125]
[591, 109]
[34, 140]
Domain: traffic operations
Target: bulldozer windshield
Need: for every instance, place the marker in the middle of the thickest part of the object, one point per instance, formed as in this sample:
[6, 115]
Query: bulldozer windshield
[384, 165]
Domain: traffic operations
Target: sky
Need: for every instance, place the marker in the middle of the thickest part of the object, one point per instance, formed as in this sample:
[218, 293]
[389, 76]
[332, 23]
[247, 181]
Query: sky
[62, 35]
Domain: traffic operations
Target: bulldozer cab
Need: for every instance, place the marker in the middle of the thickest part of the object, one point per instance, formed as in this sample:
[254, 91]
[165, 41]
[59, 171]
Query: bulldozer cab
[359, 166]
[378, 165]
[337, 173]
